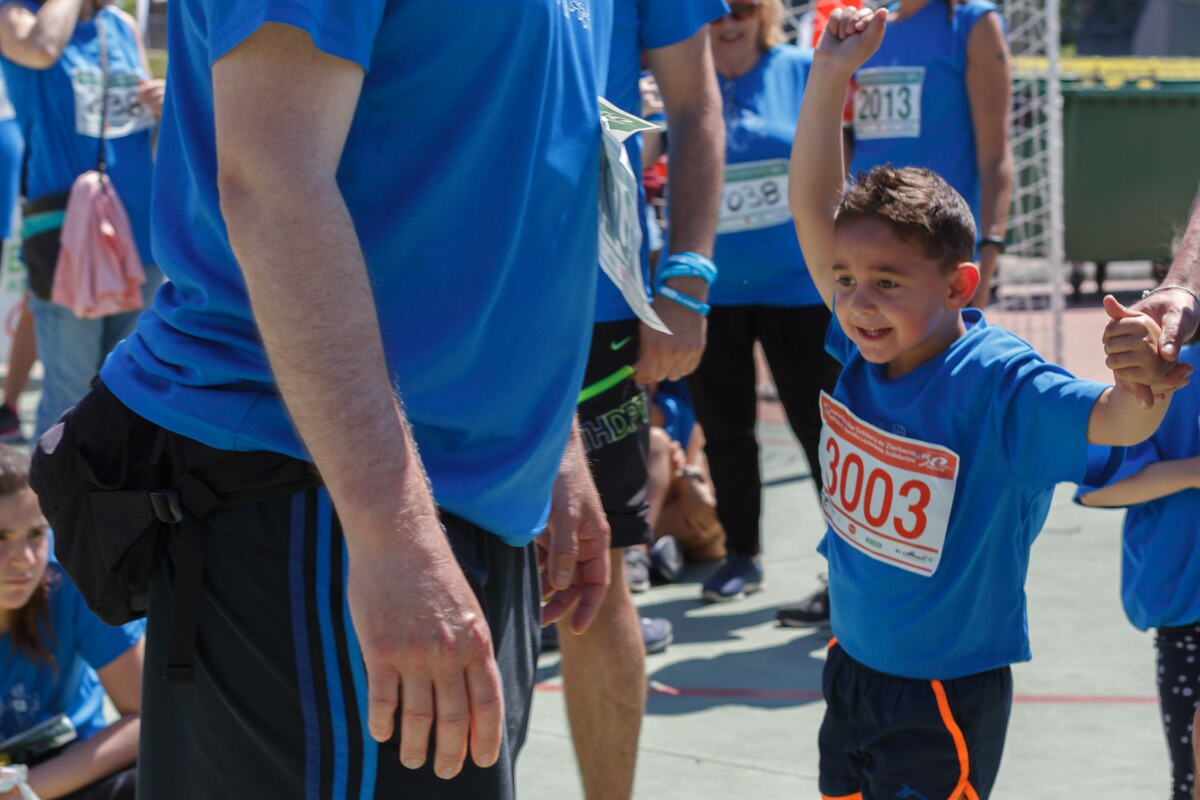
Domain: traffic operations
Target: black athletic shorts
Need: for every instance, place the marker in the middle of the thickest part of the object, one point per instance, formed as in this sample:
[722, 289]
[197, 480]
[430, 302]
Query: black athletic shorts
[277, 708]
[614, 418]
[890, 737]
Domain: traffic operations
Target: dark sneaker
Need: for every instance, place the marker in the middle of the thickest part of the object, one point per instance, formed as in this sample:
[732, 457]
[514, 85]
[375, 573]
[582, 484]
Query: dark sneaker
[666, 562]
[10, 426]
[811, 612]
[657, 634]
[550, 638]
[738, 576]
[637, 569]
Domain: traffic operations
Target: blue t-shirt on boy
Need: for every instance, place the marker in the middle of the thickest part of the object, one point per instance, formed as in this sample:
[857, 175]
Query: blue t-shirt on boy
[1160, 562]
[470, 171]
[911, 107]
[80, 643]
[757, 254]
[936, 484]
[59, 113]
[643, 25]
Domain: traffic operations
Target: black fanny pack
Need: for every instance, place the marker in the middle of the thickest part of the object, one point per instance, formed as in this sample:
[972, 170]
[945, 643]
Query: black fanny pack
[41, 238]
[113, 486]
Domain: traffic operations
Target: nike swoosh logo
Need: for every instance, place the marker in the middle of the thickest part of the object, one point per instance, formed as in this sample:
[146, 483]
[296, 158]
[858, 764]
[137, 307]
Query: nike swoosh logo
[620, 344]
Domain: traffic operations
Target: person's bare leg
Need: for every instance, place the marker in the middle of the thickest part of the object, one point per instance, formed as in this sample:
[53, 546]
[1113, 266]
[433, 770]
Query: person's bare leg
[661, 470]
[21, 356]
[604, 680]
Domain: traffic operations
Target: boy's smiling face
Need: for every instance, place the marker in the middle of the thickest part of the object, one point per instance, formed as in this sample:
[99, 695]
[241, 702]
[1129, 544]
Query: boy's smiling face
[896, 304]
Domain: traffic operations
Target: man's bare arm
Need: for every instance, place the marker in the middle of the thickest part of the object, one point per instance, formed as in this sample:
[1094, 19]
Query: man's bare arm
[283, 110]
[688, 85]
[1174, 310]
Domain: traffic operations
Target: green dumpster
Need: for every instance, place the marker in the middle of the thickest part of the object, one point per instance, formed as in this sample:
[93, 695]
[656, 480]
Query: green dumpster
[1131, 169]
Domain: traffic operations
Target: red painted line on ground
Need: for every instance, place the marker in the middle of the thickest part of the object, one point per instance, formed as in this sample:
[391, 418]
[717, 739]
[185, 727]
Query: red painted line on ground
[801, 695]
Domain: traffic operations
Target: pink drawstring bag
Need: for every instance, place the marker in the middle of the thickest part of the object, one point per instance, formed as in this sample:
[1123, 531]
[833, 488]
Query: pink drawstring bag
[99, 271]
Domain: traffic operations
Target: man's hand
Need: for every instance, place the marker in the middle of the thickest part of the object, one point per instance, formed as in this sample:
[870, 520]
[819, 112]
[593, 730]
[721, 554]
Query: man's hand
[1175, 311]
[573, 550]
[672, 356]
[1133, 344]
[421, 628]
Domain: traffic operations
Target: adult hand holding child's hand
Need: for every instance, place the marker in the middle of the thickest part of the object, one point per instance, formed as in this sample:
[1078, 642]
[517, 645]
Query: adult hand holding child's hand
[1131, 342]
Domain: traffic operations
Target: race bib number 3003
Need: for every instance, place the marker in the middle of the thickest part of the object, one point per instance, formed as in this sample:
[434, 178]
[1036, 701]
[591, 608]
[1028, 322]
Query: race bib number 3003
[886, 495]
[887, 103]
[755, 196]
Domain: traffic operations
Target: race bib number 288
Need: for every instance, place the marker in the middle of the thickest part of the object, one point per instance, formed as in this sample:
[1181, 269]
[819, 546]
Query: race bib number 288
[886, 495]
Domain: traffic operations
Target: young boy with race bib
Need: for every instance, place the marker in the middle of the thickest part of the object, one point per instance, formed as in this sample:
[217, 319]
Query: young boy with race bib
[1160, 564]
[941, 447]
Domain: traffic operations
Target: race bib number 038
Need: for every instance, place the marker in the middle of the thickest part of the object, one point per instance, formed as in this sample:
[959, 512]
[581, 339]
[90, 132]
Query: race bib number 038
[755, 196]
[125, 115]
[886, 495]
[887, 103]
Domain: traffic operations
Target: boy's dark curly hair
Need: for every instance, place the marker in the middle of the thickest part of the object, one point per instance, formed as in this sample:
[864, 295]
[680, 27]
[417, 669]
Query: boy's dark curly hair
[919, 205]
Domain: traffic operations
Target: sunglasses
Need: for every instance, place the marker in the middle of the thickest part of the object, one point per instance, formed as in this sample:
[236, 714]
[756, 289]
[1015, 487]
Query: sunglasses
[743, 11]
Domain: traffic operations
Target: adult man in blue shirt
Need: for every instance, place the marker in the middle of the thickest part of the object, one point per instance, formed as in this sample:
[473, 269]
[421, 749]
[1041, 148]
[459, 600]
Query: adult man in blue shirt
[360, 206]
[604, 668]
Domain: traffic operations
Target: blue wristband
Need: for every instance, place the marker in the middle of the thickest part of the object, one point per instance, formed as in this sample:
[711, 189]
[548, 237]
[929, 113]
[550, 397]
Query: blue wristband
[685, 301]
[685, 265]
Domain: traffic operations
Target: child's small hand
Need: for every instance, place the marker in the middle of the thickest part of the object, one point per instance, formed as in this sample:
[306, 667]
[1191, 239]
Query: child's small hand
[1131, 344]
[851, 36]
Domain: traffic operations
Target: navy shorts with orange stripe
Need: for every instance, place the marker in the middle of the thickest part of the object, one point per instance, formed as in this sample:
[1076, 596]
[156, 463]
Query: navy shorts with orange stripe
[889, 737]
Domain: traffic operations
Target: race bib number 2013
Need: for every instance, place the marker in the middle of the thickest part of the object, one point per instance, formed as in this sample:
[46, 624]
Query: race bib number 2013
[886, 495]
[887, 103]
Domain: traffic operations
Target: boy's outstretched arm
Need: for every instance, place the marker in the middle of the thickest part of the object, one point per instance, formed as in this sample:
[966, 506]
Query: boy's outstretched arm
[1121, 417]
[816, 178]
[1153, 481]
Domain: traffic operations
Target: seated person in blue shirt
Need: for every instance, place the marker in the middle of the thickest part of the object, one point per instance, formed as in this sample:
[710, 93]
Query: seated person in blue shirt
[1160, 566]
[940, 450]
[57, 657]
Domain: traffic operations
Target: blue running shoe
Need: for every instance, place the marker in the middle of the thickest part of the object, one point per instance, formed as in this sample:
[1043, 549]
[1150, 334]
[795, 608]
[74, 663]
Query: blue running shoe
[666, 561]
[656, 634]
[737, 577]
[637, 570]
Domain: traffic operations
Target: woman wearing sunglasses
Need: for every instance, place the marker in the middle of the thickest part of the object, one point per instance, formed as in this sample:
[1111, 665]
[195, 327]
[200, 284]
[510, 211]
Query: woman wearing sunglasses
[763, 292]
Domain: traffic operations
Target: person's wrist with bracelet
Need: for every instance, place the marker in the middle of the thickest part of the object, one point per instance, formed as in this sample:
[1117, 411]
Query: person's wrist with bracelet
[684, 278]
[1177, 287]
[996, 242]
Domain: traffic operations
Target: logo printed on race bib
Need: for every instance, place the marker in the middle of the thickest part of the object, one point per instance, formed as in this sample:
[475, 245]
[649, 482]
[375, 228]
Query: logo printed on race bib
[887, 103]
[886, 495]
[755, 196]
[125, 116]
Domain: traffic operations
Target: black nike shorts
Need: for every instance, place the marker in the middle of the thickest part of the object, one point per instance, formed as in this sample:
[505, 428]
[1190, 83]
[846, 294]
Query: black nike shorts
[614, 418]
[889, 737]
